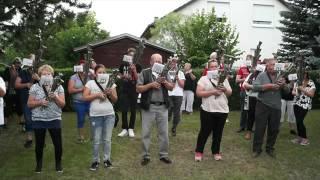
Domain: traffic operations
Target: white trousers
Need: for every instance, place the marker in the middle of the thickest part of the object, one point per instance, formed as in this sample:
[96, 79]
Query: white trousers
[187, 101]
[287, 106]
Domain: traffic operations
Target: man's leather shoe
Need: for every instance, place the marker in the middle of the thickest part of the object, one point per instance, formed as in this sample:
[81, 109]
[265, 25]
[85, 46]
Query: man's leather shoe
[256, 154]
[271, 154]
[145, 161]
[166, 160]
[240, 130]
[174, 131]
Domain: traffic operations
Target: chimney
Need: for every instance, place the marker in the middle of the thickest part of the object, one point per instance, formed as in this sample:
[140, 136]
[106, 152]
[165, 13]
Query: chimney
[155, 18]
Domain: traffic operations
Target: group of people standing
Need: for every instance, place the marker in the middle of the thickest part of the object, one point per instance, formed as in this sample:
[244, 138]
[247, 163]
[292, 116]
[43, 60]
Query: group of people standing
[265, 98]
[160, 97]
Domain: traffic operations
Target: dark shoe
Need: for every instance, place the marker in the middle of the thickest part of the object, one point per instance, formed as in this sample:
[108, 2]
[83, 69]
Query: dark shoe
[38, 168]
[107, 164]
[256, 154]
[293, 132]
[145, 161]
[59, 167]
[166, 160]
[28, 144]
[94, 166]
[240, 130]
[271, 154]
[174, 131]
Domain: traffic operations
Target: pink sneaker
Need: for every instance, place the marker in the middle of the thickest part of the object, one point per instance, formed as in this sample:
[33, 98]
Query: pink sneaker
[198, 156]
[296, 140]
[217, 157]
[304, 142]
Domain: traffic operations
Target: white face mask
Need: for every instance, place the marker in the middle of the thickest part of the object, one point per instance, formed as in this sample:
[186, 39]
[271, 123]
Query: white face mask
[214, 74]
[46, 80]
[102, 78]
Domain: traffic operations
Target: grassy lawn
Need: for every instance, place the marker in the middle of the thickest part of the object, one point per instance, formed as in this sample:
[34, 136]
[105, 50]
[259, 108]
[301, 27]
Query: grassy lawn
[292, 162]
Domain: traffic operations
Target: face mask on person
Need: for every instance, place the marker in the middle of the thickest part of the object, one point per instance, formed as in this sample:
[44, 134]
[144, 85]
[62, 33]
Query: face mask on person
[214, 74]
[102, 78]
[46, 80]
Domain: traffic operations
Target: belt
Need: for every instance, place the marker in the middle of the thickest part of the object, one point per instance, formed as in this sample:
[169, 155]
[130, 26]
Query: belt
[157, 103]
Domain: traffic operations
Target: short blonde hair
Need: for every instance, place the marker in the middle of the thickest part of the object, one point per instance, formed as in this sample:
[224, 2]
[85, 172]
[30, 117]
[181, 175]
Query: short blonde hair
[45, 67]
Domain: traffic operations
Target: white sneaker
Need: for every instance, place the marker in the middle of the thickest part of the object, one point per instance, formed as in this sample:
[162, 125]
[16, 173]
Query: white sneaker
[124, 132]
[131, 133]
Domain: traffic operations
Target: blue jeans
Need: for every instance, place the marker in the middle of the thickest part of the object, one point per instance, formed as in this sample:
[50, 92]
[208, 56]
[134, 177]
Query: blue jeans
[243, 115]
[102, 132]
[28, 118]
[82, 108]
[24, 95]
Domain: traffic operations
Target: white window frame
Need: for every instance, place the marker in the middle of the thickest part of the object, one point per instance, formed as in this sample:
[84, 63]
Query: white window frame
[262, 25]
[227, 15]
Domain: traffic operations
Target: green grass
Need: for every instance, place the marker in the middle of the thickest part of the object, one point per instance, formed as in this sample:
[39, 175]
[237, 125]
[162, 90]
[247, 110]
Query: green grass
[292, 162]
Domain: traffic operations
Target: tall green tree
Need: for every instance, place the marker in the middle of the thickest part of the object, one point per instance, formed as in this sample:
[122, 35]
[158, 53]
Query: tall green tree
[196, 36]
[83, 29]
[300, 30]
[23, 21]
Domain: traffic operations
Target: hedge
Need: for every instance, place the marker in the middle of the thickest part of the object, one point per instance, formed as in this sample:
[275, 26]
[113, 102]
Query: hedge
[234, 102]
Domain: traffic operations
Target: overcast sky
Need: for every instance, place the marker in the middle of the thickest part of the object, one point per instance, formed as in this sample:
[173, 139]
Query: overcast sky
[131, 16]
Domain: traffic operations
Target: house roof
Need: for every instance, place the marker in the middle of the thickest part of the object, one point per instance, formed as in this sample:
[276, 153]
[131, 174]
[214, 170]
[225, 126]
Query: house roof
[192, 1]
[146, 32]
[119, 37]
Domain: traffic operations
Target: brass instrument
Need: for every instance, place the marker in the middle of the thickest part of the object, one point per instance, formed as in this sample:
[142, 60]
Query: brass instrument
[256, 56]
[138, 55]
[112, 78]
[164, 72]
[57, 81]
[87, 65]
[37, 59]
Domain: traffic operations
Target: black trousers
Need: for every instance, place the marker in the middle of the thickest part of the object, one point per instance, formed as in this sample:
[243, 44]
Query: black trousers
[129, 101]
[266, 117]
[175, 109]
[244, 113]
[40, 135]
[13, 104]
[300, 114]
[211, 122]
[251, 112]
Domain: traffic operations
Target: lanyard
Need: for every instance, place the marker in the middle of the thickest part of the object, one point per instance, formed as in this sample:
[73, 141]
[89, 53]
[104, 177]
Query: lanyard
[269, 78]
[81, 79]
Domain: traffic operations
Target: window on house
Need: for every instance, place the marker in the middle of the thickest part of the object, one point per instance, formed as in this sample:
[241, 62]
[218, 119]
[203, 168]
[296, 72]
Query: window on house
[263, 14]
[221, 8]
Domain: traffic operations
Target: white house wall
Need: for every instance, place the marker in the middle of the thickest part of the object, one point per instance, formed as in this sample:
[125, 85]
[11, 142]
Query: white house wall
[241, 16]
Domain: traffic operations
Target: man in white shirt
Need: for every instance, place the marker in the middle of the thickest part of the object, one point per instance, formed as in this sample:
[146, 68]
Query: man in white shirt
[176, 95]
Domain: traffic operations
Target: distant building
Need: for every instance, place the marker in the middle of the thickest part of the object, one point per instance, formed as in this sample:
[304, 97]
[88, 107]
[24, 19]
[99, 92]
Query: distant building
[110, 51]
[255, 20]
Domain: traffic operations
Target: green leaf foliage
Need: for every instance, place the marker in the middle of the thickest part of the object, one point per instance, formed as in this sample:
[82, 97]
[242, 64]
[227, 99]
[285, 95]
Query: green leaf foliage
[195, 37]
[300, 28]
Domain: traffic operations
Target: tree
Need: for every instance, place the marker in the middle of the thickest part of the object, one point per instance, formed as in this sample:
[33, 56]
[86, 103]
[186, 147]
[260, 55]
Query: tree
[300, 30]
[22, 20]
[167, 31]
[196, 36]
[83, 29]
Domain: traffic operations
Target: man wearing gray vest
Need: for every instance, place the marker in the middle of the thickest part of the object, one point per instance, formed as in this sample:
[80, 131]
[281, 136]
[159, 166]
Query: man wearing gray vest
[268, 108]
[154, 104]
